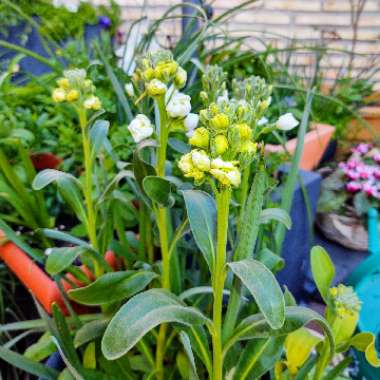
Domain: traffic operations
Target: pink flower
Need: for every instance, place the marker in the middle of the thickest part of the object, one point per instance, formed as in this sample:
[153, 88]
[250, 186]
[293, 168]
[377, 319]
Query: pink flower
[376, 157]
[351, 174]
[369, 189]
[353, 187]
[362, 148]
[376, 173]
[365, 172]
[352, 164]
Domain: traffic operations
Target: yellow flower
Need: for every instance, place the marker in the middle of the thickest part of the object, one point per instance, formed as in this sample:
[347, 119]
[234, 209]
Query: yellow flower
[92, 103]
[220, 144]
[244, 130]
[63, 83]
[186, 164]
[200, 160]
[148, 74]
[225, 172]
[220, 121]
[59, 95]
[165, 70]
[156, 88]
[72, 95]
[200, 138]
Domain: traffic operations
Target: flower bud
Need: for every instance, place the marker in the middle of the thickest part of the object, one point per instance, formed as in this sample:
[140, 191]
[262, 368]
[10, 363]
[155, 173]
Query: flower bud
[59, 95]
[140, 128]
[200, 138]
[248, 147]
[148, 74]
[227, 178]
[204, 97]
[220, 121]
[156, 88]
[200, 160]
[244, 130]
[287, 122]
[180, 78]
[92, 103]
[129, 89]
[191, 122]
[63, 83]
[264, 104]
[72, 95]
[220, 144]
[165, 70]
[218, 163]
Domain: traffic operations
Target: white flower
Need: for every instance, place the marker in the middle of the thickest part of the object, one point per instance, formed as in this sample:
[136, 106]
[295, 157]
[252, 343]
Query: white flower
[129, 89]
[179, 105]
[235, 177]
[223, 98]
[200, 160]
[156, 88]
[287, 122]
[92, 103]
[70, 5]
[262, 121]
[185, 163]
[191, 122]
[218, 163]
[140, 128]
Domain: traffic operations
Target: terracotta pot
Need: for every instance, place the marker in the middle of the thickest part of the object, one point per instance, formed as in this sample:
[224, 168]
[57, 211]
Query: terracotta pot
[315, 144]
[43, 161]
[43, 288]
[360, 133]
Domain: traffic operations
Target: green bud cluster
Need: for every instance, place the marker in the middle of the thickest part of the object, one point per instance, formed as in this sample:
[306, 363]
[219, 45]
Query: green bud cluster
[157, 70]
[345, 301]
[74, 87]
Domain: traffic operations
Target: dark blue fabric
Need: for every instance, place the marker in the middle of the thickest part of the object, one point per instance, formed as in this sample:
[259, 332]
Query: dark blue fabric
[54, 361]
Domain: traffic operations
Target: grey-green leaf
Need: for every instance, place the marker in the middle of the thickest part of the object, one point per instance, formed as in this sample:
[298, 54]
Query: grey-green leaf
[323, 270]
[159, 190]
[90, 331]
[141, 314]
[264, 288]
[48, 176]
[276, 214]
[201, 211]
[111, 287]
[98, 136]
[185, 340]
[61, 258]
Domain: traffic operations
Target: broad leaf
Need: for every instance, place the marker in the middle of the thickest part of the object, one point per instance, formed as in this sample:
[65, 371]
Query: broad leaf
[141, 314]
[42, 349]
[111, 287]
[60, 259]
[276, 214]
[272, 261]
[264, 288]
[63, 236]
[159, 190]
[256, 326]
[48, 176]
[201, 211]
[323, 270]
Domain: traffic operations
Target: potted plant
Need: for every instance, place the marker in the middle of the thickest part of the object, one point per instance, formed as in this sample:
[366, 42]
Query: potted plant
[210, 304]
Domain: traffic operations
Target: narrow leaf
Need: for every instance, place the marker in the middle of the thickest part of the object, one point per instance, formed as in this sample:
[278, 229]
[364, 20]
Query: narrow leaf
[276, 214]
[201, 211]
[60, 259]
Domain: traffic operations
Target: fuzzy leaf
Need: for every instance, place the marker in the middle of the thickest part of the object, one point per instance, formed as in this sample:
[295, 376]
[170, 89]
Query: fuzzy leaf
[141, 314]
[60, 259]
[111, 287]
[264, 288]
[201, 211]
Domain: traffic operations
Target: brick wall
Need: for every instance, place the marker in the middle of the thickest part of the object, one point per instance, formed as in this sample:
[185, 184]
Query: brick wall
[284, 23]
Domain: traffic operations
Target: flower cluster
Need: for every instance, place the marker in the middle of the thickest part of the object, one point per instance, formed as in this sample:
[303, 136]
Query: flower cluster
[362, 171]
[345, 300]
[228, 137]
[75, 88]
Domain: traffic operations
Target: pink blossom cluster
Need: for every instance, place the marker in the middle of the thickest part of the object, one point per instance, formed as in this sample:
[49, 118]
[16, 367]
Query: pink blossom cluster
[362, 171]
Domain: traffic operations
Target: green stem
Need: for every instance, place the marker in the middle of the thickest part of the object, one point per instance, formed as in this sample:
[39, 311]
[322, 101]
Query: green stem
[162, 224]
[88, 166]
[219, 275]
[243, 193]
